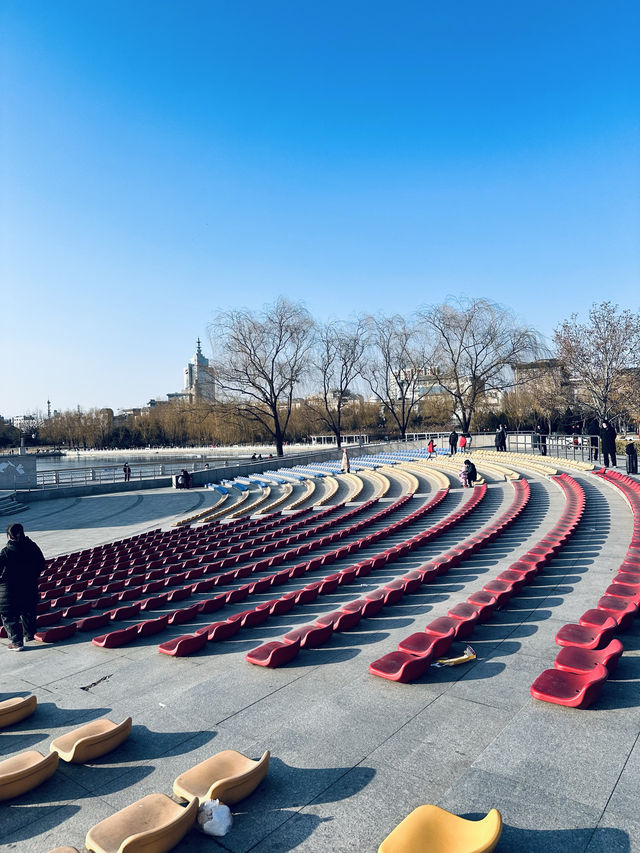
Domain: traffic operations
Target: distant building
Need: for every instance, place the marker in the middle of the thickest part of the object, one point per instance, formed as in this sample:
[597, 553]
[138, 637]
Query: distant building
[199, 382]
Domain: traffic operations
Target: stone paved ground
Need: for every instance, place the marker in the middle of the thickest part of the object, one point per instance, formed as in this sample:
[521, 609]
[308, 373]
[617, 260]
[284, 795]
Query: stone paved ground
[352, 754]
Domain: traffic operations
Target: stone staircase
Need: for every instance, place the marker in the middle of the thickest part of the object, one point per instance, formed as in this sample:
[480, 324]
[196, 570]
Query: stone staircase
[9, 505]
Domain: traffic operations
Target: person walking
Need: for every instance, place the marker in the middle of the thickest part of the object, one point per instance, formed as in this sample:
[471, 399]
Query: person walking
[453, 442]
[21, 562]
[345, 465]
[431, 448]
[608, 438]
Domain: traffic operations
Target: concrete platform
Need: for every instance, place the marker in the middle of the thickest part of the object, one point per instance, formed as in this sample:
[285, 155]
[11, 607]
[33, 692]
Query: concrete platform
[351, 754]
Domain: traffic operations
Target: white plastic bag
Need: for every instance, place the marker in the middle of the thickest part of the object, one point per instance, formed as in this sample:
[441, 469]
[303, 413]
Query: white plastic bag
[214, 817]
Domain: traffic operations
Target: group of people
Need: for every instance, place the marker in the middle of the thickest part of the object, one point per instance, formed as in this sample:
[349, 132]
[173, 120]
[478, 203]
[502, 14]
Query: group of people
[500, 439]
[458, 443]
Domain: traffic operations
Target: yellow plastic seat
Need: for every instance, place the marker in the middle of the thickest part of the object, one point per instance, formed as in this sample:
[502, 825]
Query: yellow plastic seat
[430, 829]
[228, 776]
[91, 740]
[25, 771]
[153, 824]
[15, 709]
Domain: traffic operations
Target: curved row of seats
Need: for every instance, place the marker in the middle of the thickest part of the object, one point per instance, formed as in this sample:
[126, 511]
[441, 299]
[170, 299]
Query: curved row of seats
[147, 574]
[189, 643]
[416, 652]
[144, 583]
[278, 652]
[589, 651]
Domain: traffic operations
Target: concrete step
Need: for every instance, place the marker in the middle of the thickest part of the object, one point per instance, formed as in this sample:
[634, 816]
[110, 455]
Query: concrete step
[9, 506]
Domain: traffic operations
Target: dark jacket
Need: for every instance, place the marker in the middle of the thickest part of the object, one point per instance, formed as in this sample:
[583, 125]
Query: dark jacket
[472, 474]
[608, 436]
[21, 563]
[453, 438]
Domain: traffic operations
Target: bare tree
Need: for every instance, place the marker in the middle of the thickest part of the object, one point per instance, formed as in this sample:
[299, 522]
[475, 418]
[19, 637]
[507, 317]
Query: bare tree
[475, 342]
[397, 370]
[260, 358]
[602, 358]
[337, 361]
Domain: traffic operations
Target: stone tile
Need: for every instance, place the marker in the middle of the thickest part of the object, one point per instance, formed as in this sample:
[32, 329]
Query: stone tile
[554, 745]
[533, 821]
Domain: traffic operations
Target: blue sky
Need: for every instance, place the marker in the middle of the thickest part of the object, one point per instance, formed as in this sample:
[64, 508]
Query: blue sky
[161, 160]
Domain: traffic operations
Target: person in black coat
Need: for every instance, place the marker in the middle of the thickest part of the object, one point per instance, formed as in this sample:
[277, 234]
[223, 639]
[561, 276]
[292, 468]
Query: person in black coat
[608, 438]
[471, 473]
[453, 442]
[21, 562]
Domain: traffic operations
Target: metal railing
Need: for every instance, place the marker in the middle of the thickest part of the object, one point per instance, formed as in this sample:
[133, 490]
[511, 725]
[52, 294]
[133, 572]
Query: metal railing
[584, 448]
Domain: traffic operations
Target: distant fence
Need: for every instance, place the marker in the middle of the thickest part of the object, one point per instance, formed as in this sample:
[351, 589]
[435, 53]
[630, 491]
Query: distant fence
[577, 447]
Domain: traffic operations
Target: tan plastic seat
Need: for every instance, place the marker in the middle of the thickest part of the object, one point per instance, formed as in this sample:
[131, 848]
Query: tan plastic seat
[15, 709]
[24, 772]
[430, 829]
[64, 850]
[228, 776]
[153, 824]
[91, 740]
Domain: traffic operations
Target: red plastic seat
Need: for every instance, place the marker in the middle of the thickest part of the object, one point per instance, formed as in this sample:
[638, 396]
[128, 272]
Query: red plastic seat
[211, 605]
[91, 623]
[573, 659]
[179, 594]
[283, 604]
[310, 636]
[154, 602]
[329, 584]
[622, 612]
[222, 630]
[153, 626]
[273, 654]
[373, 602]
[182, 646]
[250, 618]
[116, 638]
[54, 635]
[238, 594]
[628, 579]
[597, 619]
[432, 643]
[569, 688]
[583, 636]
[179, 617]
[628, 593]
[393, 591]
[502, 590]
[125, 612]
[400, 666]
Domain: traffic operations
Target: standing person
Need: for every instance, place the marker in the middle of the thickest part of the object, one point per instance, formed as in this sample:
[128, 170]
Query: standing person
[453, 442]
[431, 448]
[21, 562]
[126, 469]
[462, 443]
[345, 465]
[468, 436]
[497, 440]
[608, 438]
[503, 438]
